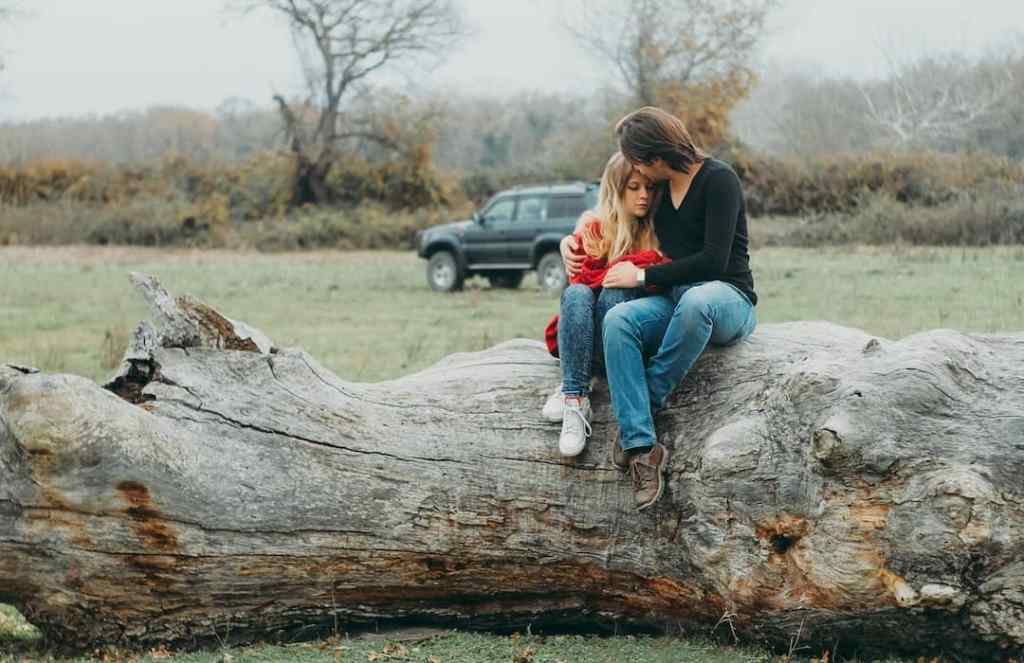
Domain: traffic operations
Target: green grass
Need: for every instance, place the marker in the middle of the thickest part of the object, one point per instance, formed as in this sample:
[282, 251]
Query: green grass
[370, 316]
[455, 647]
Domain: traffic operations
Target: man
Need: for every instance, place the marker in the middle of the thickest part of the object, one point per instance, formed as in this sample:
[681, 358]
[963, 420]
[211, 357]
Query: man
[700, 220]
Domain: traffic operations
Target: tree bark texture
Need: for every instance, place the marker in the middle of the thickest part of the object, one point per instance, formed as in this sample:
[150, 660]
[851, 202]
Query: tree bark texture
[824, 486]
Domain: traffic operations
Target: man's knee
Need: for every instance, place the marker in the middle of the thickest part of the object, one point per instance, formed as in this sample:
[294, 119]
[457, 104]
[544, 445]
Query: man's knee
[696, 305]
[619, 323]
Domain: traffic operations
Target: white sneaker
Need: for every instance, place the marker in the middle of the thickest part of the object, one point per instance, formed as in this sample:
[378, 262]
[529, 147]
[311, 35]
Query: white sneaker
[553, 406]
[575, 426]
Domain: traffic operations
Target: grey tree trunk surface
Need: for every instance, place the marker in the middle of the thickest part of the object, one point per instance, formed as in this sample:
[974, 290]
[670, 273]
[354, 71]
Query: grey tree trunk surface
[824, 487]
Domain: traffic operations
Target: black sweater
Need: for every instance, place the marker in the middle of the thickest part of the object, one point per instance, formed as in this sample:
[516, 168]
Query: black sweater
[706, 238]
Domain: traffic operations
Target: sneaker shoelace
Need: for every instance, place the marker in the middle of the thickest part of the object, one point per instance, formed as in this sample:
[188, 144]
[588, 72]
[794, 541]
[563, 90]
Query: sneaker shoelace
[573, 424]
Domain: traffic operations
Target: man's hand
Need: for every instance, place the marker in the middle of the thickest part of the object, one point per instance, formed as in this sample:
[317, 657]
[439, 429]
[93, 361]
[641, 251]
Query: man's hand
[622, 275]
[572, 255]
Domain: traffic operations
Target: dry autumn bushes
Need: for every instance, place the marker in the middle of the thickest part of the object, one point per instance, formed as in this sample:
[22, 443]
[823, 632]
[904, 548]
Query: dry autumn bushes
[925, 198]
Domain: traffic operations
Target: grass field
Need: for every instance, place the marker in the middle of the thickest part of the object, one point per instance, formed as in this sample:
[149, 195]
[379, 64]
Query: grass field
[370, 316]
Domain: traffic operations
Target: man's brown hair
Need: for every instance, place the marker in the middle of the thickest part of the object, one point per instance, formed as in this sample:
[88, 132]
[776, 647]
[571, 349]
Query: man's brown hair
[650, 133]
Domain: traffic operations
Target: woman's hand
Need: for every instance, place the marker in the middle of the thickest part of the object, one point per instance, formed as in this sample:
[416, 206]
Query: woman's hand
[572, 254]
[622, 275]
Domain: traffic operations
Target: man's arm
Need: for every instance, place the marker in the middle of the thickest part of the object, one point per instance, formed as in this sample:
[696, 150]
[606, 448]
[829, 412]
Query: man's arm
[724, 198]
[571, 248]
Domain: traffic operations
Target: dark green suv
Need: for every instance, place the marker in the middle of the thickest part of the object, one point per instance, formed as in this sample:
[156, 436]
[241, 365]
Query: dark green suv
[516, 231]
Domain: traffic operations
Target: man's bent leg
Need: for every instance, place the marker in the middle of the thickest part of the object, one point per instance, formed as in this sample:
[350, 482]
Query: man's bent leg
[705, 312]
[630, 329]
[606, 300]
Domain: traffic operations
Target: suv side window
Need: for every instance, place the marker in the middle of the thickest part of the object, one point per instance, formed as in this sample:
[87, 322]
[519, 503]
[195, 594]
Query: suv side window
[500, 211]
[531, 208]
[566, 207]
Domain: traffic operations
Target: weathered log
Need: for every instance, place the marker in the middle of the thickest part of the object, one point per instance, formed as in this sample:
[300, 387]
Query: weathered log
[823, 483]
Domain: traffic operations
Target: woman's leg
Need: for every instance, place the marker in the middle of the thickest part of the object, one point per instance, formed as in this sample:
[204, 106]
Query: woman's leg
[576, 339]
[607, 299]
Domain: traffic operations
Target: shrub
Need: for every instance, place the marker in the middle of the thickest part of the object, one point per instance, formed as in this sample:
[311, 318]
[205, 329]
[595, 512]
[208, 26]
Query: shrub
[366, 227]
[839, 184]
[992, 215]
[142, 222]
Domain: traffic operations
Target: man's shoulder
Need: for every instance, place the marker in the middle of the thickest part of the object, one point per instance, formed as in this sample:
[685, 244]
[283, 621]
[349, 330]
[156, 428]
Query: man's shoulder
[718, 169]
[720, 175]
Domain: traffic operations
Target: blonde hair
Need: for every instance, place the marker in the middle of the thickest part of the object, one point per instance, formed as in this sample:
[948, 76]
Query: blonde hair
[620, 232]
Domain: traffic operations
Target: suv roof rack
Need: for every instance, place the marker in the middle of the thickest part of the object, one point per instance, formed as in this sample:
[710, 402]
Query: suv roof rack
[551, 185]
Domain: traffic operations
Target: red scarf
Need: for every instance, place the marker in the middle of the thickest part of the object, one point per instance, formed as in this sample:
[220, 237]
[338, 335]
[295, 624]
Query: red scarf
[592, 273]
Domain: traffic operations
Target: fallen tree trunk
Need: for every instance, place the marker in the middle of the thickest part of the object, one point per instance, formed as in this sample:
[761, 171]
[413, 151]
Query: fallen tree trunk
[824, 485]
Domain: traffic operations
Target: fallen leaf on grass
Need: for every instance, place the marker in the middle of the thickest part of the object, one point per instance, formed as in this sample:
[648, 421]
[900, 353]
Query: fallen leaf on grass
[390, 652]
[525, 656]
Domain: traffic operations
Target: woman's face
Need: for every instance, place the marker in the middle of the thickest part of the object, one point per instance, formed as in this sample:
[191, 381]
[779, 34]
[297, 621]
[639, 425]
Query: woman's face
[636, 199]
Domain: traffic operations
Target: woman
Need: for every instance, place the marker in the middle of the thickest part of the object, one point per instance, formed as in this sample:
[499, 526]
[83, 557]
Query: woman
[617, 233]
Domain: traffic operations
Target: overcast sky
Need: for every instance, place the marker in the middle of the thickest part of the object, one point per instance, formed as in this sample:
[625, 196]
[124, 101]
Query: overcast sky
[73, 57]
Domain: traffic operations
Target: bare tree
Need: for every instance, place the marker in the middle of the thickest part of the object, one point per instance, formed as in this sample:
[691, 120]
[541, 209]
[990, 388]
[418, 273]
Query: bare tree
[343, 44]
[937, 99]
[797, 111]
[653, 45]
[9, 10]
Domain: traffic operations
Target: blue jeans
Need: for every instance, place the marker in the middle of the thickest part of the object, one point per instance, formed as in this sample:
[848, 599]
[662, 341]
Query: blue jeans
[671, 331]
[580, 317]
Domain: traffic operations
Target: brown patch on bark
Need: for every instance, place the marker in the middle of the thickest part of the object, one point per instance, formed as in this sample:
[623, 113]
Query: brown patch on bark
[56, 513]
[161, 571]
[41, 460]
[148, 523]
[130, 384]
[870, 515]
[783, 532]
[216, 325]
[787, 580]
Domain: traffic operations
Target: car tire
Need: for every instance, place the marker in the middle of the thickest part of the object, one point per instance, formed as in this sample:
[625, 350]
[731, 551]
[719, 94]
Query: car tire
[506, 280]
[444, 273]
[551, 273]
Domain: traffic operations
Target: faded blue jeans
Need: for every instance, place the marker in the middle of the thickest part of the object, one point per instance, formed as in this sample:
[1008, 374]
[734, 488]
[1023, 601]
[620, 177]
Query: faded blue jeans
[580, 317]
[671, 331]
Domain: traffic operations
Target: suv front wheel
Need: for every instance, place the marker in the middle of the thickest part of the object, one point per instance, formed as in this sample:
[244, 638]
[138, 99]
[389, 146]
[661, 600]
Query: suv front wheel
[551, 274]
[444, 273]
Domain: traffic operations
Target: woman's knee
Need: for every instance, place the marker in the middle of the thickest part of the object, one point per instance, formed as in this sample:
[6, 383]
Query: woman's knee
[577, 297]
[578, 292]
[609, 297]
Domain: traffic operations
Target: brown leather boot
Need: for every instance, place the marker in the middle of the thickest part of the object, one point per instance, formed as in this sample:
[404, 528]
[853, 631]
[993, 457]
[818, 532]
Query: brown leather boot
[648, 472]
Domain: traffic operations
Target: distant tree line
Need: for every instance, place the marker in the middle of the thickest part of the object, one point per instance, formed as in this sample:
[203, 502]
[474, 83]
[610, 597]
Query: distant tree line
[869, 155]
[943, 103]
[947, 102]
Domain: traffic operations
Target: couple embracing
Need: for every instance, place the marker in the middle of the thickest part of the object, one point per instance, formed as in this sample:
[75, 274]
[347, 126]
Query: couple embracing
[658, 272]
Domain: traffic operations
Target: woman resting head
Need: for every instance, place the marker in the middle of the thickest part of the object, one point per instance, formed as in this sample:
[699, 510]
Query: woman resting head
[618, 226]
